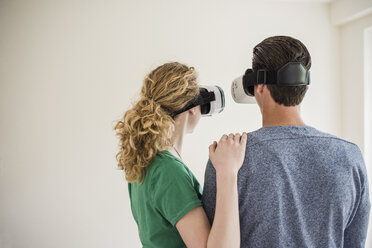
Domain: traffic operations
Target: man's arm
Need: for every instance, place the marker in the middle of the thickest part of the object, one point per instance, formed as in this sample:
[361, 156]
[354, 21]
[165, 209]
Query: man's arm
[209, 191]
[227, 156]
[356, 231]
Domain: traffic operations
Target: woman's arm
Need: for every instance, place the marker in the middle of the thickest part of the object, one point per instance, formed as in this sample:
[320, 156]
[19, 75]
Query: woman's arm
[227, 157]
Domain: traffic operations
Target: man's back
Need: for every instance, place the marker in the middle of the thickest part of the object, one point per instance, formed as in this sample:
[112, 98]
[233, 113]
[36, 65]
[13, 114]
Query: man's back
[298, 187]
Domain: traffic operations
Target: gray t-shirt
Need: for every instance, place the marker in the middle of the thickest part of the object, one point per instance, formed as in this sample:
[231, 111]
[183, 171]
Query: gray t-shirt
[298, 187]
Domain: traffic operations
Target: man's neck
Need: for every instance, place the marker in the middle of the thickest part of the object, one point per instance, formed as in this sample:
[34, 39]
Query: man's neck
[280, 115]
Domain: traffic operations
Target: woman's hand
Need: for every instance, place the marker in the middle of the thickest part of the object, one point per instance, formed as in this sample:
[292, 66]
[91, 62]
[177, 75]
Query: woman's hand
[227, 155]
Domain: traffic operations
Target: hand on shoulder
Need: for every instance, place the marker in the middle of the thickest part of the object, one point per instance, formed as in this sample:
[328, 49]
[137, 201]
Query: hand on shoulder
[227, 155]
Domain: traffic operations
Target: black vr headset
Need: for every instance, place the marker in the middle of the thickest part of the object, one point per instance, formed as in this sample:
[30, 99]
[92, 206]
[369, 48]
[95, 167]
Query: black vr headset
[211, 100]
[291, 74]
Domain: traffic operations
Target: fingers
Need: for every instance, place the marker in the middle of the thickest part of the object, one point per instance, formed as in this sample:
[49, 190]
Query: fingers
[243, 140]
[224, 137]
[237, 138]
[212, 147]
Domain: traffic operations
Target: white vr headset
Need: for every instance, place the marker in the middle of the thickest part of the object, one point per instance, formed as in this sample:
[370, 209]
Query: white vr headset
[291, 74]
[211, 100]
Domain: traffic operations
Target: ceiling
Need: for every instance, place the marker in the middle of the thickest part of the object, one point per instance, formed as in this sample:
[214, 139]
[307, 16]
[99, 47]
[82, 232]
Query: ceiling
[303, 1]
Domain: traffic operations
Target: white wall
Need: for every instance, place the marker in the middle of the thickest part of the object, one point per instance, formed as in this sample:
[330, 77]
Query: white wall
[352, 78]
[68, 69]
[344, 11]
[368, 112]
[354, 90]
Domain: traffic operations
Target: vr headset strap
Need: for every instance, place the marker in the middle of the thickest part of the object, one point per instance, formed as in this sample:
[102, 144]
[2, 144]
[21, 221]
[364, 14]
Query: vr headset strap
[291, 74]
[203, 98]
[260, 76]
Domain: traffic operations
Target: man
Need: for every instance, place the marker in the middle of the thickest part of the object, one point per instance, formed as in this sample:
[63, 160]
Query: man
[298, 187]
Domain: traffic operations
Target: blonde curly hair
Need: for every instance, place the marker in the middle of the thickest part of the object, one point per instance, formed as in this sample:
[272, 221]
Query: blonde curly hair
[147, 127]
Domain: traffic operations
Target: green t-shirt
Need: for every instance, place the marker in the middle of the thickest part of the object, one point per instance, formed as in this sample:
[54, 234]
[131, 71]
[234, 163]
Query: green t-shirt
[169, 191]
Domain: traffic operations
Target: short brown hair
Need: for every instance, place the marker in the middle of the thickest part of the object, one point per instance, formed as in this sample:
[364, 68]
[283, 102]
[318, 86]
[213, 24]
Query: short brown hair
[273, 53]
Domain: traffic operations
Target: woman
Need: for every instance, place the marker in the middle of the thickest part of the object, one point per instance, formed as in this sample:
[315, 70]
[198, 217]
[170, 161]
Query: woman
[165, 196]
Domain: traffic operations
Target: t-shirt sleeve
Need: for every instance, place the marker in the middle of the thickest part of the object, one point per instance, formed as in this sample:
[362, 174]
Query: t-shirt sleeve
[174, 192]
[356, 232]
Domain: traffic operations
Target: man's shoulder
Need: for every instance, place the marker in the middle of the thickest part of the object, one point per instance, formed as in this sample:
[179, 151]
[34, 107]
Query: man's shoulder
[295, 132]
[277, 140]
